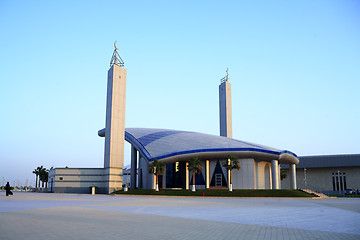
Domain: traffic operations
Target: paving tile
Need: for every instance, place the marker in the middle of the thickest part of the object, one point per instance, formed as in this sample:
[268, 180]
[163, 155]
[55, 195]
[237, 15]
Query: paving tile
[71, 216]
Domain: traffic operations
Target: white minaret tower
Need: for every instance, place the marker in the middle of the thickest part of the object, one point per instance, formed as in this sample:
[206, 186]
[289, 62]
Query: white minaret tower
[115, 123]
[225, 107]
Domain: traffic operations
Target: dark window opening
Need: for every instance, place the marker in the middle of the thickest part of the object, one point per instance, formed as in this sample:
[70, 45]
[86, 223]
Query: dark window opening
[160, 181]
[141, 179]
[341, 183]
[176, 175]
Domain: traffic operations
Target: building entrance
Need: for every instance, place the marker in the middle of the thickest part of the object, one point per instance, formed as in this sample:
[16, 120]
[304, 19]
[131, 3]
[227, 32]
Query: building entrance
[218, 177]
[175, 175]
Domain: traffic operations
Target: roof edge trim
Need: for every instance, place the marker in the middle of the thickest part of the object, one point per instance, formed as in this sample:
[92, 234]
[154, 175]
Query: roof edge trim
[132, 140]
[220, 150]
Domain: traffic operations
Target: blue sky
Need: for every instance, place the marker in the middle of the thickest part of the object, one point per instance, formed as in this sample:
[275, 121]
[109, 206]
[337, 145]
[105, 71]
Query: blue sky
[293, 65]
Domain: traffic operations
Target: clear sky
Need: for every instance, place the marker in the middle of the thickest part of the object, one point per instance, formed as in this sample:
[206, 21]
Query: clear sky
[294, 67]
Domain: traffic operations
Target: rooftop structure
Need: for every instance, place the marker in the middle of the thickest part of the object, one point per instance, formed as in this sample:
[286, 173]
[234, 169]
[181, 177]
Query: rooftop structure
[339, 160]
[116, 59]
[174, 145]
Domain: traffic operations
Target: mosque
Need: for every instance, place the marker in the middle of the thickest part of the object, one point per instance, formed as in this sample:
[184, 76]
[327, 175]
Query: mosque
[259, 165]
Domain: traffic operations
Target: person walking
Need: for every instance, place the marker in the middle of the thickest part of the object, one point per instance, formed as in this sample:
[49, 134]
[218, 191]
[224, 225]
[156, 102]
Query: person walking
[8, 189]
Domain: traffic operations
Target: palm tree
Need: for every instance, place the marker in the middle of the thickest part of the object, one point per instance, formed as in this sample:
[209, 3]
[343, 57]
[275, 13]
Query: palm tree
[157, 168]
[195, 165]
[230, 164]
[283, 174]
[44, 176]
[36, 172]
[40, 170]
[41, 175]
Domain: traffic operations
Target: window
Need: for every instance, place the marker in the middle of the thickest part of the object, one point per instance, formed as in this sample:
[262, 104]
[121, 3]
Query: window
[339, 181]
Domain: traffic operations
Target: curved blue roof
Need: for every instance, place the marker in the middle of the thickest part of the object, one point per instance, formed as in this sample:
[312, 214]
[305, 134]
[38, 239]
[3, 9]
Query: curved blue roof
[174, 145]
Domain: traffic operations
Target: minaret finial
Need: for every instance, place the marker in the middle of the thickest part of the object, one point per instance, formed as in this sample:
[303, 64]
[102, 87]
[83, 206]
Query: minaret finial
[226, 78]
[116, 59]
[115, 46]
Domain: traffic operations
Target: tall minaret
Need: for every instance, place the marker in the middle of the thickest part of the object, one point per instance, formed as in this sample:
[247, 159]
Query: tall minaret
[115, 123]
[225, 107]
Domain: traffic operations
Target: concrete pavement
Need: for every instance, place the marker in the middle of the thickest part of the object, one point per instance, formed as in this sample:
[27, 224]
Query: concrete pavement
[71, 216]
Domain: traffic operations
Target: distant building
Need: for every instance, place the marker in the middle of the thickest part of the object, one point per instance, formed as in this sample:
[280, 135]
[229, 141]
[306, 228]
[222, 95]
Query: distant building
[75, 180]
[329, 174]
[127, 175]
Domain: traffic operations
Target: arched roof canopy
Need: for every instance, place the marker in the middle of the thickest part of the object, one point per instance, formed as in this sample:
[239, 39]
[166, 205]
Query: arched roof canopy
[173, 145]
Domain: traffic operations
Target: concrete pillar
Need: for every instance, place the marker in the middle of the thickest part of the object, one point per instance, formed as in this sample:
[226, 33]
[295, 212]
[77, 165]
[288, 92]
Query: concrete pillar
[225, 109]
[186, 176]
[154, 182]
[115, 128]
[207, 173]
[228, 176]
[268, 177]
[141, 173]
[274, 174]
[292, 172]
[133, 167]
[256, 175]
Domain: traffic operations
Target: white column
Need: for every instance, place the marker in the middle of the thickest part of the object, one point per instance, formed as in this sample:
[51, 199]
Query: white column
[274, 174]
[186, 176]
[292, 172]
[133, 167]
[228, 177]
[154, 182]
[207, 173]
[270, 178]
[256, 175]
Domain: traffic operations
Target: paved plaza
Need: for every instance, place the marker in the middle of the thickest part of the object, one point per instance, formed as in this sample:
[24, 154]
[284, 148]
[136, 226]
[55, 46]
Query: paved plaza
[72, 216]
